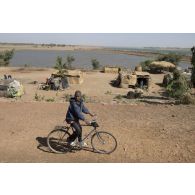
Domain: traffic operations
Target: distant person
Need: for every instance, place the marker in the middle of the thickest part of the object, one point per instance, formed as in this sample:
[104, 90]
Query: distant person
[73, 115]
[119, 78]
[9, 77]
[5, 76]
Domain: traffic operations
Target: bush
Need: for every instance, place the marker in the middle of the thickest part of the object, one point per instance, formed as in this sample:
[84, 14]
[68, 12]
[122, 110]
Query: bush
[145, 65]
[187, 99]
[118, 97]
[95, 64]
[178, 86]
[5, 57]
[173, 58]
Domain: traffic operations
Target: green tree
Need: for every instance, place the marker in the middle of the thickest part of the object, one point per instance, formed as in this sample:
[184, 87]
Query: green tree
[95, 64]
[69, 61]
[193, 66]
[173, 58]
[59, 64]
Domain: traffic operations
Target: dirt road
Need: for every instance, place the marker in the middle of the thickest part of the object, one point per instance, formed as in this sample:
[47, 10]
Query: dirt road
[145, 133]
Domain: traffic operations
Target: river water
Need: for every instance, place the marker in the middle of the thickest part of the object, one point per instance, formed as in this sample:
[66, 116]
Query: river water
[82, 58]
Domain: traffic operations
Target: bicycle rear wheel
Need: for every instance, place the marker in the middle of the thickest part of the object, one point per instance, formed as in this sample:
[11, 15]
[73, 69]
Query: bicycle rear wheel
[57, 141]
[103, 142]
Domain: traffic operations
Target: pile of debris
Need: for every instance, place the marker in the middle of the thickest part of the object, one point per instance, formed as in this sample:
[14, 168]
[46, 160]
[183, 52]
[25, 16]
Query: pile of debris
[10, 87]
[137, 93]
[62, 80]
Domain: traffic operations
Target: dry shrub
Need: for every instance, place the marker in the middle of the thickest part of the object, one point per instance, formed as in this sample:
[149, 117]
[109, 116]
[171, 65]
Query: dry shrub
[187, 99]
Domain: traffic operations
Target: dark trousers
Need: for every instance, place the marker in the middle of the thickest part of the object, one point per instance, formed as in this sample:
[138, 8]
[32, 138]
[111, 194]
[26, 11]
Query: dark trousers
[77, 132]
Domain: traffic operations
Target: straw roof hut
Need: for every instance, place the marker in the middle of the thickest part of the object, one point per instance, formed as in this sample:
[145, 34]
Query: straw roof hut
[159, 66]
[162, 64]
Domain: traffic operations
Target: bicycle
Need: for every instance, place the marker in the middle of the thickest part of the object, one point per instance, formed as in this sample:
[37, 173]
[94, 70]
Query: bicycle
[101, 141]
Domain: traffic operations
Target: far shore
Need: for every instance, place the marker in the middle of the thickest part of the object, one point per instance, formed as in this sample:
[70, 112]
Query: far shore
[48, 47]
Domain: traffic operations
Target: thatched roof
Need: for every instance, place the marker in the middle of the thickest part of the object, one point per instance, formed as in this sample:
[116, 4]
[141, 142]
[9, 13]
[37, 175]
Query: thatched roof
[142, 73]
[162, 64]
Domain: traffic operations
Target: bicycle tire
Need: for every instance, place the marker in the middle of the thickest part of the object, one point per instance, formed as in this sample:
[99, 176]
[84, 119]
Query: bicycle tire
[100, 138]
[59, 143]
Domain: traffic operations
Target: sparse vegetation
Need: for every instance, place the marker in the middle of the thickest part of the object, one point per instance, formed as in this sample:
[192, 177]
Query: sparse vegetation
[95, 64]
[108, 92]
[67, 97]
[84, 97]
[50, 99]
[39, 97]
[5, 57]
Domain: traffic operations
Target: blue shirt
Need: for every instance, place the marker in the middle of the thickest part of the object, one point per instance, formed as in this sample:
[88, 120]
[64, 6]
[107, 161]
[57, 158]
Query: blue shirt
[76, 110]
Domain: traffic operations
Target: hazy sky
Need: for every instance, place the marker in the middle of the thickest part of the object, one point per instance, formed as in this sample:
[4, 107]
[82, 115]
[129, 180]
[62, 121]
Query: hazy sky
[105, 39]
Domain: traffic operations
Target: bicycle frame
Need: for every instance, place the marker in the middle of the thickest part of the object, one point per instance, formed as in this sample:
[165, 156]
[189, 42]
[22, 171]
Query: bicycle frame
[94, 130]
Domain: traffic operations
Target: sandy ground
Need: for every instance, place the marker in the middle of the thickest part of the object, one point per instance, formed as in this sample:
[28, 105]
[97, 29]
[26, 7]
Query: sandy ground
[145, 132]
[96, 85]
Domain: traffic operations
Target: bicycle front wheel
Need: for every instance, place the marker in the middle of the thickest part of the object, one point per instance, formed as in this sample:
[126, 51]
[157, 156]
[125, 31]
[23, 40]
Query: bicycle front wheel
[103, 142]
[57, 141]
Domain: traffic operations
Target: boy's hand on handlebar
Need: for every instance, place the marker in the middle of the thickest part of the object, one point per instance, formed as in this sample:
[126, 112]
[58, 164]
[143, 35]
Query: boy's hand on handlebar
[92, 115]
[87, 122]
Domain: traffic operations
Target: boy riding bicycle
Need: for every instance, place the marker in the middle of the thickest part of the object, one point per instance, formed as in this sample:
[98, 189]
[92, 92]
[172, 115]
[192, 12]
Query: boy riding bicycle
[73, 115]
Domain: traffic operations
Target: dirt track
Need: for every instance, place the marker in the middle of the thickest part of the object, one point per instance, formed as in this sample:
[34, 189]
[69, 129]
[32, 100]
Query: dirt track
[145, 133]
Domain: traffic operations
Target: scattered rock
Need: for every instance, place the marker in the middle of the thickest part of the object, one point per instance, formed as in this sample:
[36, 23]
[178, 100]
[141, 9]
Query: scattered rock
[134, 94]
[124, 148]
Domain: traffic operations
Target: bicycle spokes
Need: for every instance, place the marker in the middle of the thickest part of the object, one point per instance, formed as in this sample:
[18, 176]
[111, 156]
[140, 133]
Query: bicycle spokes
[104, 142]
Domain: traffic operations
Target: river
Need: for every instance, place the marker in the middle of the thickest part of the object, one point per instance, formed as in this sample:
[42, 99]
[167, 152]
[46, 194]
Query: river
[82, 58]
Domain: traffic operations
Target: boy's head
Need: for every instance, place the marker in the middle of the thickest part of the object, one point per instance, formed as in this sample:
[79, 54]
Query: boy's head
[78, 95]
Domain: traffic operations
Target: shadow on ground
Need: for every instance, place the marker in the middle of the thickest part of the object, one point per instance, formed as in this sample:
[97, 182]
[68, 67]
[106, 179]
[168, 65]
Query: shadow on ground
[42, 141]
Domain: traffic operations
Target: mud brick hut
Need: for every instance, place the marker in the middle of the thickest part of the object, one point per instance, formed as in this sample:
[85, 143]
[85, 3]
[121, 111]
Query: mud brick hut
[135, 79]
